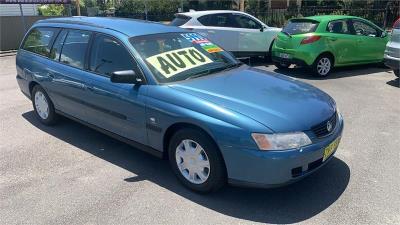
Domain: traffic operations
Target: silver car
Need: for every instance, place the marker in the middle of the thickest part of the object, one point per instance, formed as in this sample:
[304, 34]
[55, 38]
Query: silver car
[392, 52]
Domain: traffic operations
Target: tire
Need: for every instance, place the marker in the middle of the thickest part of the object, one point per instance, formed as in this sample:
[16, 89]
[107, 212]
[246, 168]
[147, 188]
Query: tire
[397, 72]
[43, 106]
[281, 66]
[322, 66]
[203, 179]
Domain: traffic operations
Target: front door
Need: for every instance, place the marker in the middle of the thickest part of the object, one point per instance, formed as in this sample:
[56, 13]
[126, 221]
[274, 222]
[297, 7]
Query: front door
[252, 37]
[119, 108]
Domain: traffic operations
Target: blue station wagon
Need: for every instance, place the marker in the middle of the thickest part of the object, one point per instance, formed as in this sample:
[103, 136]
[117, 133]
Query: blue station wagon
[176, 94]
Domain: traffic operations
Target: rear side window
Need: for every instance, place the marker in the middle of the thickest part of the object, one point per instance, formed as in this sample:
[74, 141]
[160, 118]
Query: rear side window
[338, 27]
[245, 22]
[74, 48]
[179, 20]
[39, 40]
[108, 56]
[300, 27]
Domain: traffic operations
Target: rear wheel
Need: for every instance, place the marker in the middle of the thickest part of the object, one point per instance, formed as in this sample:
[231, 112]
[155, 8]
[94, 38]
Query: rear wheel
[196, 161]
[322, 65]
[43, 106]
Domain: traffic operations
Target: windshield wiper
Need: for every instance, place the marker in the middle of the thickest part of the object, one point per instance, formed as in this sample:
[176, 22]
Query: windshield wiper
[214, 70]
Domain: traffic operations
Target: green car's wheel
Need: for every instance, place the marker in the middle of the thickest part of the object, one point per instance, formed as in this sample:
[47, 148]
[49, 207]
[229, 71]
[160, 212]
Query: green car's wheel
[281, 66]
[322, 65]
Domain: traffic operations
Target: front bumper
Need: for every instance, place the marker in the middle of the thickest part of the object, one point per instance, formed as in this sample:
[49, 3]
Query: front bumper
[392, 62]
[255, 168]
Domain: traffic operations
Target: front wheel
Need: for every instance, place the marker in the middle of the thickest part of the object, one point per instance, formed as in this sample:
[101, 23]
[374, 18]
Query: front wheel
[322, 66]
[196, 161]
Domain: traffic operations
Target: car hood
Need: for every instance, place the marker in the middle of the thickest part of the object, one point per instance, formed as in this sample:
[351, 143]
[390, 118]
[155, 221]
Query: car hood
[281, 103]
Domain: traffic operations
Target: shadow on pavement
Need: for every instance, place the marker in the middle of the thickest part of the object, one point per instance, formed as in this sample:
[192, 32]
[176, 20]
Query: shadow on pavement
[394, 82]
[290, 204]
[304, 73]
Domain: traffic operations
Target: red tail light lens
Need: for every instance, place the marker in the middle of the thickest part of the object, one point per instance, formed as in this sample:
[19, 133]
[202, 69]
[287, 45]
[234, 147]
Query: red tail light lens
[396, 24]
[310, 39]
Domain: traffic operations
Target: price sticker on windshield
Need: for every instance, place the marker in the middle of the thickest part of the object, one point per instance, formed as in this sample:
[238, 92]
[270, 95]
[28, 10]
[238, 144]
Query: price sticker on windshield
[202, 41]
[176, 61]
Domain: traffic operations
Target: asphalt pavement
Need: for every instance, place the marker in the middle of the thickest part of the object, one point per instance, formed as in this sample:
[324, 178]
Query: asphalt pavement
[70, 174]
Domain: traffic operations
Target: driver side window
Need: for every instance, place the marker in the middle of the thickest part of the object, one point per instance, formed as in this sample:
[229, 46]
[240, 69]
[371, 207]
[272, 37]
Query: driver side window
[245, 22]
[108, 55]
[364, 29]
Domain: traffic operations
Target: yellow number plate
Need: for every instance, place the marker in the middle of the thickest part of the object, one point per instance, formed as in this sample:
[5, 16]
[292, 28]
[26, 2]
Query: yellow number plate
[331, 148]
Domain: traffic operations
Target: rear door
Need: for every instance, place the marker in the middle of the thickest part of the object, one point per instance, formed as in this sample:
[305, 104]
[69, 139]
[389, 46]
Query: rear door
[341, 41]
[370, 43]
[252, 37]
[219, 28]
[119, 108]
[68, 77]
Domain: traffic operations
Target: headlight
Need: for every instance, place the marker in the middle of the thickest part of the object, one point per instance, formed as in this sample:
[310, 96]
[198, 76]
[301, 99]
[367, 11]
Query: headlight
[281, 141]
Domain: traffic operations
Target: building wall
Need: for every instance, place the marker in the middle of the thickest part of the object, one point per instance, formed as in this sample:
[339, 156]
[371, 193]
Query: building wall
[13, 9]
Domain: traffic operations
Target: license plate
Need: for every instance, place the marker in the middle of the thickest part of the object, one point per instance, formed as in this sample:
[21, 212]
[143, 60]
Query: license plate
[331, 148]
[284, 55]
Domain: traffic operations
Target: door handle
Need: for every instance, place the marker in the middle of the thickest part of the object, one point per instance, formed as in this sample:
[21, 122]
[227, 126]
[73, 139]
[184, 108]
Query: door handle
[332, 39]
[211, 31]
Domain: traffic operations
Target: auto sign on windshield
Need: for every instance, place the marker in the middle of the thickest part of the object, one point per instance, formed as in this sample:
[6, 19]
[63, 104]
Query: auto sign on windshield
[179, 56]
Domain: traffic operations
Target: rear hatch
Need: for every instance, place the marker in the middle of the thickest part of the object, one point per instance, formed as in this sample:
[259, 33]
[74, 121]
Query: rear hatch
[293, 33]
[179, 20]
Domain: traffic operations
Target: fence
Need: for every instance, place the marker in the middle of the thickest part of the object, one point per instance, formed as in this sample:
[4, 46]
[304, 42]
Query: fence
[12, 30]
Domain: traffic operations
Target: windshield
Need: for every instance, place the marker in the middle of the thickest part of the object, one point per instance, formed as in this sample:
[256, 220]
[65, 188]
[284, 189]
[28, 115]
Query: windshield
[300, 27]
[179, 56]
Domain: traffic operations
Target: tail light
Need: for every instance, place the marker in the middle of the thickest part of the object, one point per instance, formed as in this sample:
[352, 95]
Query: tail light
[396, 24]
[310, 39]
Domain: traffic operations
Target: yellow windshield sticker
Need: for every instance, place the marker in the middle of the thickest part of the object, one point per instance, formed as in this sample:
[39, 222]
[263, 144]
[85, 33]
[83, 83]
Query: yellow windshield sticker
[176, 61]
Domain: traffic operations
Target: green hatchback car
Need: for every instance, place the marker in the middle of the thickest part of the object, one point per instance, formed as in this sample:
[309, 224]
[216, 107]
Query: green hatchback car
[324, 42]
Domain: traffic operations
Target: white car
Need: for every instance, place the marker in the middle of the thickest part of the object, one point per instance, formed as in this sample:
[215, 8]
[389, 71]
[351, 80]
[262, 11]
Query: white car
[237, 32]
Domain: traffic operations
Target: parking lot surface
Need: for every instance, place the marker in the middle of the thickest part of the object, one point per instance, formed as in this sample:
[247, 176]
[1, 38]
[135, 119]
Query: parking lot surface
[70, 174]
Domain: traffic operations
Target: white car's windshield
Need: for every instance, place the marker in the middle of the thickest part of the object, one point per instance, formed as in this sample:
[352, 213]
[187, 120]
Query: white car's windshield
[179, 56]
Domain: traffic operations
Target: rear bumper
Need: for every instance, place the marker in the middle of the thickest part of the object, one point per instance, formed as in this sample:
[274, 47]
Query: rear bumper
[295, 61]
[255, 168]
[392, 62]
[299, 56]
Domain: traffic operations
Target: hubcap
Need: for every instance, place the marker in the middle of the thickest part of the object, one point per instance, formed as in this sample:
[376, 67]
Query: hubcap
[324, 66]
[192, 161]
[41, 105]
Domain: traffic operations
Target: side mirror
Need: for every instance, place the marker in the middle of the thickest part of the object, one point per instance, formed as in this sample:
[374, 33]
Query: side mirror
[262, 29]
[126, 76]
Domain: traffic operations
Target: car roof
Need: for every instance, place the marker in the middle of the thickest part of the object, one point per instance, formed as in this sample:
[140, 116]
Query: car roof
[129, 27]
[207, 12]
[322, 18]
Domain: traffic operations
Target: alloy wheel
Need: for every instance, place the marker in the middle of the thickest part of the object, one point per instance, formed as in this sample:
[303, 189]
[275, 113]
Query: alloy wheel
[324, 66]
